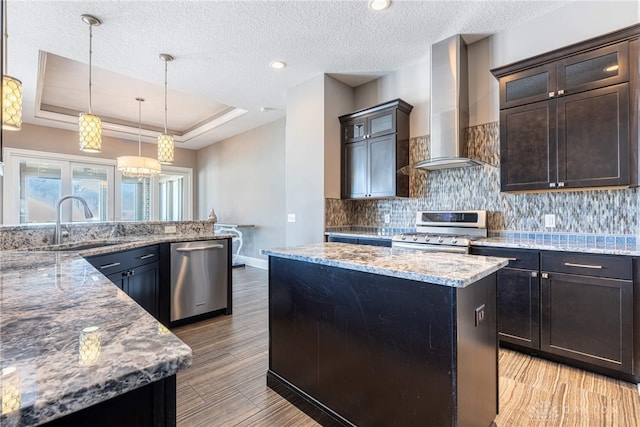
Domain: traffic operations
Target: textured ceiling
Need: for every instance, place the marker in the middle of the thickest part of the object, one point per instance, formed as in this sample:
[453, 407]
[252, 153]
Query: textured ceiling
[222, 50]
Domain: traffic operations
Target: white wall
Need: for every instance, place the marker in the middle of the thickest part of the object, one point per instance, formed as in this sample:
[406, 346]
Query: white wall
[304, 163]
[411, 84]
[338, 100]
[242, 178]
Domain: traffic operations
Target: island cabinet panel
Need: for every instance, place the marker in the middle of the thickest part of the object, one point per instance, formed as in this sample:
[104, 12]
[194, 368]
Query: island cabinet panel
[152, 405]
[372, 350]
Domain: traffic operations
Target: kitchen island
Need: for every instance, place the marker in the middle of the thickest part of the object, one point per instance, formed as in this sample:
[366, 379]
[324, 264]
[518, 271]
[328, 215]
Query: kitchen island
[367, 336]
[76, 350]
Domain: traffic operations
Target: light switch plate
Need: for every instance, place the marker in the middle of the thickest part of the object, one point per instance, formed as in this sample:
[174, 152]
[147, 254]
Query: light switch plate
[291, 217]
[387, 218]
[170, 229]
[549, 221]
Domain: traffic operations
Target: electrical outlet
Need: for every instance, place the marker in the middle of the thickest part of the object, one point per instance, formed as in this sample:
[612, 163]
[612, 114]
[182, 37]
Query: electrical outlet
[291, 217]
[387, 218]
[170, 229]
[550, 221]
[481, 313]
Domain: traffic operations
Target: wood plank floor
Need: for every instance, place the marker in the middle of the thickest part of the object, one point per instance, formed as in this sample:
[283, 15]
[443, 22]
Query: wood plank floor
[226, 385]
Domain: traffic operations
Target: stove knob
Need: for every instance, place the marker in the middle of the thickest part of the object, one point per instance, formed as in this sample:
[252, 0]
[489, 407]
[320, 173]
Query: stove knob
[427, 239]
[415, 238]
[403, 237]
[440, 240]
[454, 240]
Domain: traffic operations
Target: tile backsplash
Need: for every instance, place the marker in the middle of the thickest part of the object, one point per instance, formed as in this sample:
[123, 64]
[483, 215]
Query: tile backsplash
[597, 212]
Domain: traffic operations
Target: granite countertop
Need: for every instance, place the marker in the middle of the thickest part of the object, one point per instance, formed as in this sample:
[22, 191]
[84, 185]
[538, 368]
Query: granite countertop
[583, 244]
[69, 338]
[366, 234]
[605, 247]
[440, 268]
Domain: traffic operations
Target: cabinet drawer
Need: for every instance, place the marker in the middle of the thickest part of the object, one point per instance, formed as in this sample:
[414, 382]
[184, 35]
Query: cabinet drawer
[123, 260]
[615, 267]
[518, 258]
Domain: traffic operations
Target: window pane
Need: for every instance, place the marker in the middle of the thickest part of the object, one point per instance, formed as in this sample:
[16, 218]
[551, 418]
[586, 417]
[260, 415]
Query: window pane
[40, 188]
[90, 183]
[171, 197]
[134, 199]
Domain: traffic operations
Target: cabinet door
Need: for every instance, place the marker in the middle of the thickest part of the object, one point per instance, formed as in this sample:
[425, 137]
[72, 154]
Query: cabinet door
[382, 173]
[119, 279]
[589, 319]
[593, 138]
[525, 87]
[142, 287]
[343, 239]
[519, 307]
[381, 123]
[528, 145]
[354, 130]
[355, 170]
[591, 70]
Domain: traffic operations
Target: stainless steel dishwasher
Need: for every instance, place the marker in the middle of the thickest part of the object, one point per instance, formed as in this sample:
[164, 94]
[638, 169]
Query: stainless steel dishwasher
[199, 277]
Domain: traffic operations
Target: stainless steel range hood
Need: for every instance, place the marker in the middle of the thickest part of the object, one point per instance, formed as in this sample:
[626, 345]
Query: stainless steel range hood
[449, 106]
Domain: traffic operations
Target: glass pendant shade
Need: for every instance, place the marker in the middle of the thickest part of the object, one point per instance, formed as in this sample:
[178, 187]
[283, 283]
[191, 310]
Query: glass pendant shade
[11, 103]
[165, 149]
[138, 167]
[90, 133]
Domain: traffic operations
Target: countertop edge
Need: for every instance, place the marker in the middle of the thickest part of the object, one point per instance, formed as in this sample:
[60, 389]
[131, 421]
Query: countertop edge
[385, 271]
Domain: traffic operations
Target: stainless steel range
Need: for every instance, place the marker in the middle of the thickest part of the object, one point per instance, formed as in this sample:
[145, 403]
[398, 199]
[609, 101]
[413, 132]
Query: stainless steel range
[444, 231]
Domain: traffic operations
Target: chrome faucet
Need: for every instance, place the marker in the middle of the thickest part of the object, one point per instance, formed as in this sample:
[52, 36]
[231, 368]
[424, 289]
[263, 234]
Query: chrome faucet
[57, 236]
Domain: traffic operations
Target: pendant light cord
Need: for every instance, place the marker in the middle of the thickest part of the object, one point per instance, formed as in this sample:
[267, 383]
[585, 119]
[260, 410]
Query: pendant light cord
[5, 63]
[165, 97]
[139, 126]
[90, 54]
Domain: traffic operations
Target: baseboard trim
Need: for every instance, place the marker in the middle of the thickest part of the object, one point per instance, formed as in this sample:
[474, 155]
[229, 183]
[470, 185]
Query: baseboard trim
[262, 264]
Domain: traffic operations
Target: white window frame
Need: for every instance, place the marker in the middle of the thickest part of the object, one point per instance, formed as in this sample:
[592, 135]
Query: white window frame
[11, 182]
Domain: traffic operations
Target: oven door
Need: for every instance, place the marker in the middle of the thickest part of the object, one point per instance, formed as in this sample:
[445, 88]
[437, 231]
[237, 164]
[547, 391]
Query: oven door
[424, 247]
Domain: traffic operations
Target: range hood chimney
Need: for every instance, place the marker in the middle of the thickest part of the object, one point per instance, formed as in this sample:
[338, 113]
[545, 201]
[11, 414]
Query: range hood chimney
[449, 106]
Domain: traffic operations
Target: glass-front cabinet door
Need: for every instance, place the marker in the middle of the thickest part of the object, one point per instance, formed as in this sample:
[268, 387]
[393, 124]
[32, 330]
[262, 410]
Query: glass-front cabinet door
[354, 130]
[528, 86]
[383, 123]
[591, 70]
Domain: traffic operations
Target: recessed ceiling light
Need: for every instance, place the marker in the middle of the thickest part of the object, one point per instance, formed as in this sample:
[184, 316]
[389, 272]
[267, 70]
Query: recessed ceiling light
[379, 4]
[277, 64]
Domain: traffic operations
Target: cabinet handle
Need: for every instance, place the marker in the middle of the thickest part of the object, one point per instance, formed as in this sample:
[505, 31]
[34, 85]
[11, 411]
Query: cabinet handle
[512, 259]
[545, 275]
[552, 94]
[560, 92]
[534, 274]
[201, 248]
[593, 267]
[146, 256]
[561, 184]
[113, 264]
[552, 185]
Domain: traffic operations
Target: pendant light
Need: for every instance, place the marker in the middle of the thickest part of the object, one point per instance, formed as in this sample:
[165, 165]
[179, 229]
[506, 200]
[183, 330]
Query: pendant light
[165, 141]
[11, 87]
[138, 166]
[90, 125]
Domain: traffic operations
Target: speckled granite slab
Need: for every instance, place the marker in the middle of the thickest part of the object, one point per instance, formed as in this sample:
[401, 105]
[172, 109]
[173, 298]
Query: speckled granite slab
[69, 338]
[433, 267]
[608, 247]
[367, 234]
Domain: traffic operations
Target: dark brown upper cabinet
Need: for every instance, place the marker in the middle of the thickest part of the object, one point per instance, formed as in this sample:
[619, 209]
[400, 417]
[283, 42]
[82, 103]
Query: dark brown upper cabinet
[375, 145]
[569, 118]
